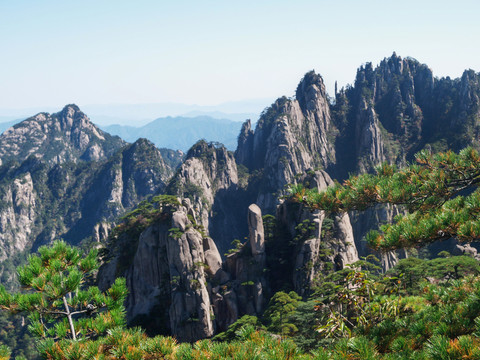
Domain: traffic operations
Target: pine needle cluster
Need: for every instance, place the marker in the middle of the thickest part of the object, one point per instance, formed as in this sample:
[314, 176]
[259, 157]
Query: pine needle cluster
[56, 299]
[439, 191]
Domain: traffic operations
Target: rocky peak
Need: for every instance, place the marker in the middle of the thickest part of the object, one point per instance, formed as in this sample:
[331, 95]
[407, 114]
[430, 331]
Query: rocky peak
[291, 136]
[387, 112]
[470, 92]
[71, 113]
[217, 162]
[395, 64]
[207, 177]
[311, 92]
[243, 155]
[140, 171]
[57, 138]
[167, 267]
[393, 73]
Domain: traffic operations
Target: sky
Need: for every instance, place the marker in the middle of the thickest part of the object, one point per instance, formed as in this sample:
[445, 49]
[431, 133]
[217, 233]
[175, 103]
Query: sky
[55, 52]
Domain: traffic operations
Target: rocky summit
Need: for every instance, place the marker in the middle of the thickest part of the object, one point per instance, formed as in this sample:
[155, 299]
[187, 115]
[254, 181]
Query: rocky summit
[66, 136]
[212, 239]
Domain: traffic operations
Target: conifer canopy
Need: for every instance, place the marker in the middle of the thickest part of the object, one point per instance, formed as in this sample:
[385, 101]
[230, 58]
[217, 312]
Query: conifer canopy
[58, 303]
[439, 193]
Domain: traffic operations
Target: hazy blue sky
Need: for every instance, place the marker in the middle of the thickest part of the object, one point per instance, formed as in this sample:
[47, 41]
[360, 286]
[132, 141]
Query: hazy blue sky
[208, 52]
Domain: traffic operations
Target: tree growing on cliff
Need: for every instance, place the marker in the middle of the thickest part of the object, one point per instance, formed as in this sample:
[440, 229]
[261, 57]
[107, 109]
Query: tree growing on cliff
[282, 305]
[58, 303]
[440, 193]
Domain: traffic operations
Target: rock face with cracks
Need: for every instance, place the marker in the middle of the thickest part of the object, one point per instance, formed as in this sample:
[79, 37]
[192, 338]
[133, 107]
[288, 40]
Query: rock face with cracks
[66, 136]
[167, 272]
[54, 186]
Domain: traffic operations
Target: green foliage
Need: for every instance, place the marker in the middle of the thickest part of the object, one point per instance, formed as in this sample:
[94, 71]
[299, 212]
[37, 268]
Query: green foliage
[304, 230]
[133, 344]
[364, 316]
[327, 227]
[412, 272]
[232, 333]
[237, 247]
[269, 223]
[368, 316]
[176, 233]
[444, 254]
[278, 247]
[305, 319]
[58, 303]
[192, 191]
[243, 176]
[281, 306]
[118, 343]
[4, 352]
[353, 304]
[14, 334]
[159, 208]
[429, 190]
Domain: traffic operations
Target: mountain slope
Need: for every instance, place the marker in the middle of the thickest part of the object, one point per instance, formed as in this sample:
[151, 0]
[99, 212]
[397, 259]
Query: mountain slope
[61, 137]
[41, 202]
[63, 178]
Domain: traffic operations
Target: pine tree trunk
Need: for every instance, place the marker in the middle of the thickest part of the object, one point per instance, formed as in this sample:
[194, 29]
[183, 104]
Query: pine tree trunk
[70, 320]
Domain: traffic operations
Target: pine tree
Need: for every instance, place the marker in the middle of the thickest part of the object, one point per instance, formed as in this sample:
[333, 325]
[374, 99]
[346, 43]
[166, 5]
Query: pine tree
[282, 305]
[56, 299]
[440, 193]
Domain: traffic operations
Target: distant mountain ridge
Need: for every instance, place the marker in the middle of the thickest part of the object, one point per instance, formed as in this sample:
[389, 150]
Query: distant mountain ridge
[4, 125]
[181, 132]
[129, 114]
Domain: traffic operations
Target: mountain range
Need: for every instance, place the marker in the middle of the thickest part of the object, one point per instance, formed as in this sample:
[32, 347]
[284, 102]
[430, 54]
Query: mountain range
[178, 132]
[181, 132]
[206, 238]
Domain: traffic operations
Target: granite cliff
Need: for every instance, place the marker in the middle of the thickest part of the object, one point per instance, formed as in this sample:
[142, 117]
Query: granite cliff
[389, 113]
[49, 192]
[66, 136]
[166, 266]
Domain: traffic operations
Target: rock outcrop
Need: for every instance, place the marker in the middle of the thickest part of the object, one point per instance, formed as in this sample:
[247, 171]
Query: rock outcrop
[290, 137]
[316, 244]
[255, 230]
[167, 268]
[44, 201]
[66, 136]
[17, 215]
[244, 152]
[247, 290]
[210, 178]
